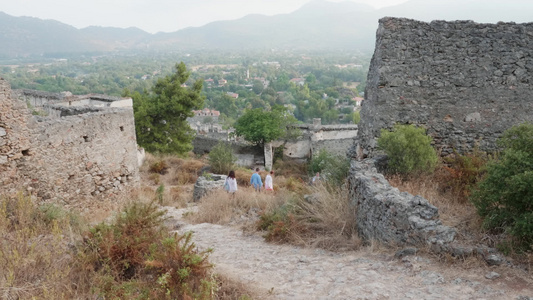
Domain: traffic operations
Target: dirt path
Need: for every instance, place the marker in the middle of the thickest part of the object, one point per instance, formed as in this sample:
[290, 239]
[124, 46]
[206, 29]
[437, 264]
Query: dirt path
[286, 272]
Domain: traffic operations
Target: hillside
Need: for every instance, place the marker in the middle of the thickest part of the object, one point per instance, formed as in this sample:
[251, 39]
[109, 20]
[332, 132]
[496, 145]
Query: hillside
[318, 25]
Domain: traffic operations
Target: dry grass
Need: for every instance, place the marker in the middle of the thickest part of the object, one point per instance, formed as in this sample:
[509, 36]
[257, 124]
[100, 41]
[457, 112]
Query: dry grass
[459, 214]
[223, 208]
[329, 219]
[231, 289]
[35, 258]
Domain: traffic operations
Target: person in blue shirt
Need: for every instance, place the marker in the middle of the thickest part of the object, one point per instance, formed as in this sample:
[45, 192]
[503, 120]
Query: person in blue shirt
[256, 181]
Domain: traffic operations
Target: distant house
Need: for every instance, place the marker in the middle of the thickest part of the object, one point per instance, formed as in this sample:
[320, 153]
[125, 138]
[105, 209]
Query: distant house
[209, 81]
[358, 101]
[206, 112]
[233, 95]
[222, 82]
[263, 81]
[184, 85]
[298, 80]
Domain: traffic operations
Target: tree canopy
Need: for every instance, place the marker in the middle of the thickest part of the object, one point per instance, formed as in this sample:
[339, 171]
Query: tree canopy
[259, 126]
[160, 115]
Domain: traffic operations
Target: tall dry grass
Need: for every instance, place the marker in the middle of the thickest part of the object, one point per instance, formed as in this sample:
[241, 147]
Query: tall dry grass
[220, 207]
[36, 255]
[452, 211]
[329, 219]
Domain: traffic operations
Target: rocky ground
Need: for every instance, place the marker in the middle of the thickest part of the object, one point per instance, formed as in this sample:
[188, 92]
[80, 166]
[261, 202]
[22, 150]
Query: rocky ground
[287, 272]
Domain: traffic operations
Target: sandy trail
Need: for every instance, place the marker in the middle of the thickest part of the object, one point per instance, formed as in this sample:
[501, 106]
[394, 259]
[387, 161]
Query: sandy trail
[287, 272]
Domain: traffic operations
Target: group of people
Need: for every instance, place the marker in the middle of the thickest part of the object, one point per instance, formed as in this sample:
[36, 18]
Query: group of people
[257, 183]
[231, 183]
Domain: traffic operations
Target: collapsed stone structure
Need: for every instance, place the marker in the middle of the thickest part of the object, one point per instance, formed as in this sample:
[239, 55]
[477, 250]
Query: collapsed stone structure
[63, 147]
[336, 139]
[466, 83]
[385, 214]
[463, 81]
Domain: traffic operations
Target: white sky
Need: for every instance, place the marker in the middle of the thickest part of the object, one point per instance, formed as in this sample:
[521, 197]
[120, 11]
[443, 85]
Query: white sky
[154, 15]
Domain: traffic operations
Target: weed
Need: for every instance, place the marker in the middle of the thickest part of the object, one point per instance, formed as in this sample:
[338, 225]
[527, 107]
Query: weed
[159, 167]
[135, 257]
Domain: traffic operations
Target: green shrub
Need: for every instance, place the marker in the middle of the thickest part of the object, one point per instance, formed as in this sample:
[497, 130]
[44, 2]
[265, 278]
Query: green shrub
[504, 198]
[333, 168]
[408, 149]
[221, 158]
[136, 258]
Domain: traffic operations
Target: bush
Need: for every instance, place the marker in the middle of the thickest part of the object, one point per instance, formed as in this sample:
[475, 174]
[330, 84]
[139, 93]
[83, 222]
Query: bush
[408, 149]
[221, 158]
[136, 258]
[159, 167]
[334, 168]
[504, 198]
[462, 172]
[35, 258]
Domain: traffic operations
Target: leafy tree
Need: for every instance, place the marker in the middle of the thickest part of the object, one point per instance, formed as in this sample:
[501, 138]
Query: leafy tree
[227, 106]
[160, 116]
[408, 149]
[504, 198]
[221, 158]
[259, 126]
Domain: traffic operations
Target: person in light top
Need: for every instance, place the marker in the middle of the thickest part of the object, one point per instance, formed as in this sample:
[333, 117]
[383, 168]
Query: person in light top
[231, 183]
[269, 185]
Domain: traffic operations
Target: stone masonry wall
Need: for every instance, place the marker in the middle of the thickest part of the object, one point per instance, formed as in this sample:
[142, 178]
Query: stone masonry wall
[14, 135]
[65, 158]
[385, 214]
[463, 81]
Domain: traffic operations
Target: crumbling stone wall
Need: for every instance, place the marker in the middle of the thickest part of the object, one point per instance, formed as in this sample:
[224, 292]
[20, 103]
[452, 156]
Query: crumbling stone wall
[73, 153]
[463, 81]
[14, 135]
[392, 217]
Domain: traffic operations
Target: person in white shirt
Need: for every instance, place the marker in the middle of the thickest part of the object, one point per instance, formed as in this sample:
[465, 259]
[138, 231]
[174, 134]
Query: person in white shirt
[231, 183]
[269, 185]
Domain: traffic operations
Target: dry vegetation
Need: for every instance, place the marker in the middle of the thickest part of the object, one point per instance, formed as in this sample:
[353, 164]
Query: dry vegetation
[47, 252]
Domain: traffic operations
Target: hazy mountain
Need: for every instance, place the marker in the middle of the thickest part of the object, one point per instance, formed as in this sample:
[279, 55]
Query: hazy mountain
[317, 25]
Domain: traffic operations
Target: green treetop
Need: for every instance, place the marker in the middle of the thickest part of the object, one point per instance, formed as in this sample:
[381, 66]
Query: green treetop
[259, 126]
[160, 116]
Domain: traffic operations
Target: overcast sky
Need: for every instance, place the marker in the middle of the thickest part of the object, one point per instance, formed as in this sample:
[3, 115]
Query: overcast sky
[154, 15]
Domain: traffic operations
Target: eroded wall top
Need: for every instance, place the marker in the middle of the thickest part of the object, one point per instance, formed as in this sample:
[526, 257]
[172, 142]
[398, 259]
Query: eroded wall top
[465, 82]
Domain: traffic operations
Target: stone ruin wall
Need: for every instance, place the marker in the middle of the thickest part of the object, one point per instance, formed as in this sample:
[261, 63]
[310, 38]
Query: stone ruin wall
[463, 81]
[14, 136]
[466, 83]
[92, 151]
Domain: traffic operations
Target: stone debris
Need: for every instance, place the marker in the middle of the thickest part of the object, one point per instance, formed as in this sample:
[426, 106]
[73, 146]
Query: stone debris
[206, 184]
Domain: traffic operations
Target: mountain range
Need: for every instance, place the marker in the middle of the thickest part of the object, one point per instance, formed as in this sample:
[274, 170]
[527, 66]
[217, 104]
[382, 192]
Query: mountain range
[318, 25]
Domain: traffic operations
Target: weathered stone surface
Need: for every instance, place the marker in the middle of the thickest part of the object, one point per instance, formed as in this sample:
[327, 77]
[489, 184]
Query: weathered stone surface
[63, 157]
[494, 260]
[463, 81]
[405, 252]
[204, 185]
[492, 275]
[385, 214]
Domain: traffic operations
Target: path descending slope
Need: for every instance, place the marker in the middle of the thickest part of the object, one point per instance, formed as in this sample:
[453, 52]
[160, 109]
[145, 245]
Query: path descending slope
[287, 272]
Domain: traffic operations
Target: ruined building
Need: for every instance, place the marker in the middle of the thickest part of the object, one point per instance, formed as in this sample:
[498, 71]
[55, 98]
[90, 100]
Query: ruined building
[463, 81]
[65, 147]
[466, 83]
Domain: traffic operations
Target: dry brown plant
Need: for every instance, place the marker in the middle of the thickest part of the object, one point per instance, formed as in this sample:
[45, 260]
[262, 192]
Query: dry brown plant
[461, 215]
[329, 219]
[220, 207]
[35, 257]
[230, 289]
